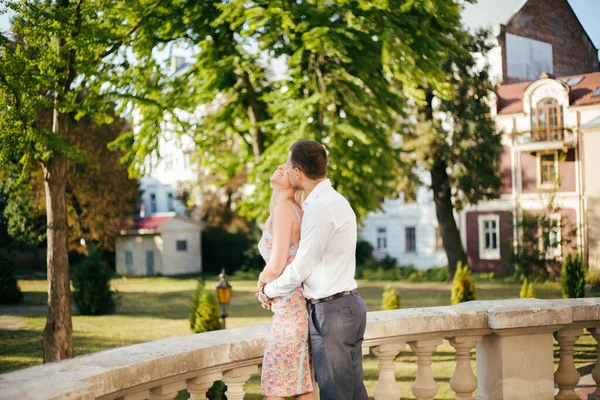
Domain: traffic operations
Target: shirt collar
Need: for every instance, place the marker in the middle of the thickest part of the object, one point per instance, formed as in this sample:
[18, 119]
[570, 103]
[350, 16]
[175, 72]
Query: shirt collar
[325, 183]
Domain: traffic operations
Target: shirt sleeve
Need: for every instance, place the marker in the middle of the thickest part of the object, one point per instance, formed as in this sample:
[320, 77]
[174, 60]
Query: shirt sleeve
[317, 227]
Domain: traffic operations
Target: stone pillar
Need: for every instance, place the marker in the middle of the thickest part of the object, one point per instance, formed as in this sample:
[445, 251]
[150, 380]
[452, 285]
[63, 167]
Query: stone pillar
[235, 380]
[143, 395]
[566, 376]
[516, 364]
[595, 332]
[463, 381]
[386, 388]
[200, 385]
[166, 392]
[424, 387]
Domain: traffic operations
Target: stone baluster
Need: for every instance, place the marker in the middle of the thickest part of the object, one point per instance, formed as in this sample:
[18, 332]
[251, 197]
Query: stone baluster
[143, 395]
[386, 388]
[167, 392]
[199, 386]
[566, 376]
[235, 380]
[424, 387]
[463, 381]
[595, 332]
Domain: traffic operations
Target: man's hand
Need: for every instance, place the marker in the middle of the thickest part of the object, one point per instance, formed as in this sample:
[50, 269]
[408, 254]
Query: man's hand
[265, 302]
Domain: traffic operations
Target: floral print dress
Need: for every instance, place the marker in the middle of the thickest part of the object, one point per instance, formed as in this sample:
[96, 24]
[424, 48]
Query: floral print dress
[286, 368]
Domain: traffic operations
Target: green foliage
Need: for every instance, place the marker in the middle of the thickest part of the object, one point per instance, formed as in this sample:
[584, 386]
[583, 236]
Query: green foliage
[463, 288]
[10, 293]
[232, 251]
[390, 300]
[92, 294]
[204, 310]
[364, 253]
[573, 277]
[527, 290]
[593, 278]
[379, 273]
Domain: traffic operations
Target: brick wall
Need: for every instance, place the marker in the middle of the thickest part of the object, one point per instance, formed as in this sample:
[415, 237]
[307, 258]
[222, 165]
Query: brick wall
[553, 22]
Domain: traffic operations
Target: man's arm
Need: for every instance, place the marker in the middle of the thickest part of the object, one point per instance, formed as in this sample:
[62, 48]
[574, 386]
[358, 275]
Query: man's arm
[317, 228]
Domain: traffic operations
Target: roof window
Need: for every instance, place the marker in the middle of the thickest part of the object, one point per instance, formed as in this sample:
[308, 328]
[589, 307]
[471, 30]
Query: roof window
[572, 81]
[596, 92]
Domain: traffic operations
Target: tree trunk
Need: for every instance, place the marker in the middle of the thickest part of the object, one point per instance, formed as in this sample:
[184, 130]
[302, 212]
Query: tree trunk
[444, 210]
[58, 333]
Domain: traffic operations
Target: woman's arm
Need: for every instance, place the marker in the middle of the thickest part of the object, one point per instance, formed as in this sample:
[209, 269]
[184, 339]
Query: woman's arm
[282, 224]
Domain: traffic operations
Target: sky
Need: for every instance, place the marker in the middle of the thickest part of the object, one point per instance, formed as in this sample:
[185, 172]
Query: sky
[493, 12]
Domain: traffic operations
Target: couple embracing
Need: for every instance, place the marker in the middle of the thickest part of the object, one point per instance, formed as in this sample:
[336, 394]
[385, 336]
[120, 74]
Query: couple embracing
[309, 244]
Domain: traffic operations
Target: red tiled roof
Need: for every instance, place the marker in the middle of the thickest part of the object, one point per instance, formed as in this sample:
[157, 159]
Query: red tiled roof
[510, 97]
[149, 223]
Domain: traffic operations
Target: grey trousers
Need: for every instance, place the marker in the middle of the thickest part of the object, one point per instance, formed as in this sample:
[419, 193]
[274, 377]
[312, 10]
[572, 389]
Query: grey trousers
[336, 334]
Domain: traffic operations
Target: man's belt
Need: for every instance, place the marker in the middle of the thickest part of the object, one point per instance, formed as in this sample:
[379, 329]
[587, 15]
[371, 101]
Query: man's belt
[333, 297]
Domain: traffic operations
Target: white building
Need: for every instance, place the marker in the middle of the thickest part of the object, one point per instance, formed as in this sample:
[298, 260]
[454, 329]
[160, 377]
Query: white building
[162, 244]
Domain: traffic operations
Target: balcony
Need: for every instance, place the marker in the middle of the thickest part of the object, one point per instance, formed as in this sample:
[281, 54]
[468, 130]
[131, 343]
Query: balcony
[513, 341]
[545, 139]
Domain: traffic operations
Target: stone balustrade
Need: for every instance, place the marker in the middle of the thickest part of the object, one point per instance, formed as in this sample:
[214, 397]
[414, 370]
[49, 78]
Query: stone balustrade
[513, 341]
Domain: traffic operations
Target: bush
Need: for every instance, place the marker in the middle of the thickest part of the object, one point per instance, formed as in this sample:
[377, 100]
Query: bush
[221, 249]
[380, 273]
[388, 262]
[463, 288]
[573, 277]
[390, 300]
[364, 253]
[92, 294]
[527, 291]
[204, 310]
[593, 278]
[10, 293]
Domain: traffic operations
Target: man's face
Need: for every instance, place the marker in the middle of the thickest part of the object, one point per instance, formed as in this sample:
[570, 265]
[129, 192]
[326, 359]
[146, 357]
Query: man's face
[293, 173]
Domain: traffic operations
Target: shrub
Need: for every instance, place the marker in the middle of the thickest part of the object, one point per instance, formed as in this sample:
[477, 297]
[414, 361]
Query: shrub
[364, 253]
[416, 276]
[390, 300]
[436, 274]
[92, 294]
[366, 274]
[527, 291]
[463, 288]
[204, 310]
[247, 274]
[593, 278]
[388, 262]
[10, 293]
[573, 277]
[380, 273]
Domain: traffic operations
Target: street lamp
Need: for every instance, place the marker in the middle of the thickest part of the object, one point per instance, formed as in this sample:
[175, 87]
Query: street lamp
[223, 294]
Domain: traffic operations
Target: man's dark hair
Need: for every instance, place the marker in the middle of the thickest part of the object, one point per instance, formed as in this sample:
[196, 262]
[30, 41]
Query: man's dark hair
[310, 157]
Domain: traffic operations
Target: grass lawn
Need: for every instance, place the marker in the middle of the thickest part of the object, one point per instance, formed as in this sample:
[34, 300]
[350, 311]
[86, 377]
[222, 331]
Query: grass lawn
[154, 308]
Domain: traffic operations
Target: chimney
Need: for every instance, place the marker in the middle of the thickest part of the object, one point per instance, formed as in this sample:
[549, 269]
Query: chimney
[176, 63]
[142, 210]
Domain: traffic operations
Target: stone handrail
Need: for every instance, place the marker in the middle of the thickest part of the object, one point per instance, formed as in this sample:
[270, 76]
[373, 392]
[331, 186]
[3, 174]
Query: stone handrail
[159, 369]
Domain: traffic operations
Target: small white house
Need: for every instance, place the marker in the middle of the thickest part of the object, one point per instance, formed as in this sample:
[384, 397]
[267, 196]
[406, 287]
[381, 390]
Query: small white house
[166, 244]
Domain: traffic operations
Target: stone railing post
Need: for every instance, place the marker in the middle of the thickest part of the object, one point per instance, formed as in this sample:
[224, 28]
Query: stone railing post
[463, 381]
[566, 376]
[167, 392]
[200, 385]
[235, 380]
[143, 395]
[386, 388]
[595, 332]
[424, 387]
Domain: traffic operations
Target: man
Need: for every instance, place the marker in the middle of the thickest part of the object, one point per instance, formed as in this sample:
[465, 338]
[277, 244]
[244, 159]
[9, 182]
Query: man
[325, 266]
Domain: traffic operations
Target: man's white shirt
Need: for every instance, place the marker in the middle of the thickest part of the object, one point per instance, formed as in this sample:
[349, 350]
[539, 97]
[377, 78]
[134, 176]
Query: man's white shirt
[325, 261]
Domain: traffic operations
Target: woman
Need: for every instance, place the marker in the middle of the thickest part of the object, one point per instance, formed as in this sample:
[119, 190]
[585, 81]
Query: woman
[286, 369]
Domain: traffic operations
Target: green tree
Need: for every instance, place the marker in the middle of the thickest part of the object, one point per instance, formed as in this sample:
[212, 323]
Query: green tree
[573, 277]
[92, 293]
[463, 288]
[456, 141]
[10, 293]
[204, 310]
[352, 68]
[527, 290]
[390, 300]
[71, 59]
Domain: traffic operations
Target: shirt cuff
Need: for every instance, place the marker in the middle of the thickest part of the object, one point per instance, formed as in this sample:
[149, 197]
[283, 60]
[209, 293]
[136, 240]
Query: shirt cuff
[269, 290]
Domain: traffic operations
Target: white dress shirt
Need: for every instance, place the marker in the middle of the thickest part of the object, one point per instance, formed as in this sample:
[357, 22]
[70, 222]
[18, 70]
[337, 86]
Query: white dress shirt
[325, 262]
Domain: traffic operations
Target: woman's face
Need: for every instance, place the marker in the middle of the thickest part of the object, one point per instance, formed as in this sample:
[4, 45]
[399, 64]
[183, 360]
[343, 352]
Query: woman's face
[280, 178]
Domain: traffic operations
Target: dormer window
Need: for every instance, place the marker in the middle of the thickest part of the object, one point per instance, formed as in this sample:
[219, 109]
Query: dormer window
[547, 120]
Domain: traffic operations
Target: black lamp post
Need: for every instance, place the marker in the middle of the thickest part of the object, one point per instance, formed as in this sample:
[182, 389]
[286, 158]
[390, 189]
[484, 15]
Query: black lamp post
[223, 294]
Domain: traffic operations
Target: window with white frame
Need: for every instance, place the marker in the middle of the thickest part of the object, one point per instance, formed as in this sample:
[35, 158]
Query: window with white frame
[550, 240]
[547, 169]
[381, 238]
[153, 206]
[128, 259]
[411, 239]
[489, 237]
[170, 205]
[182, 245]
